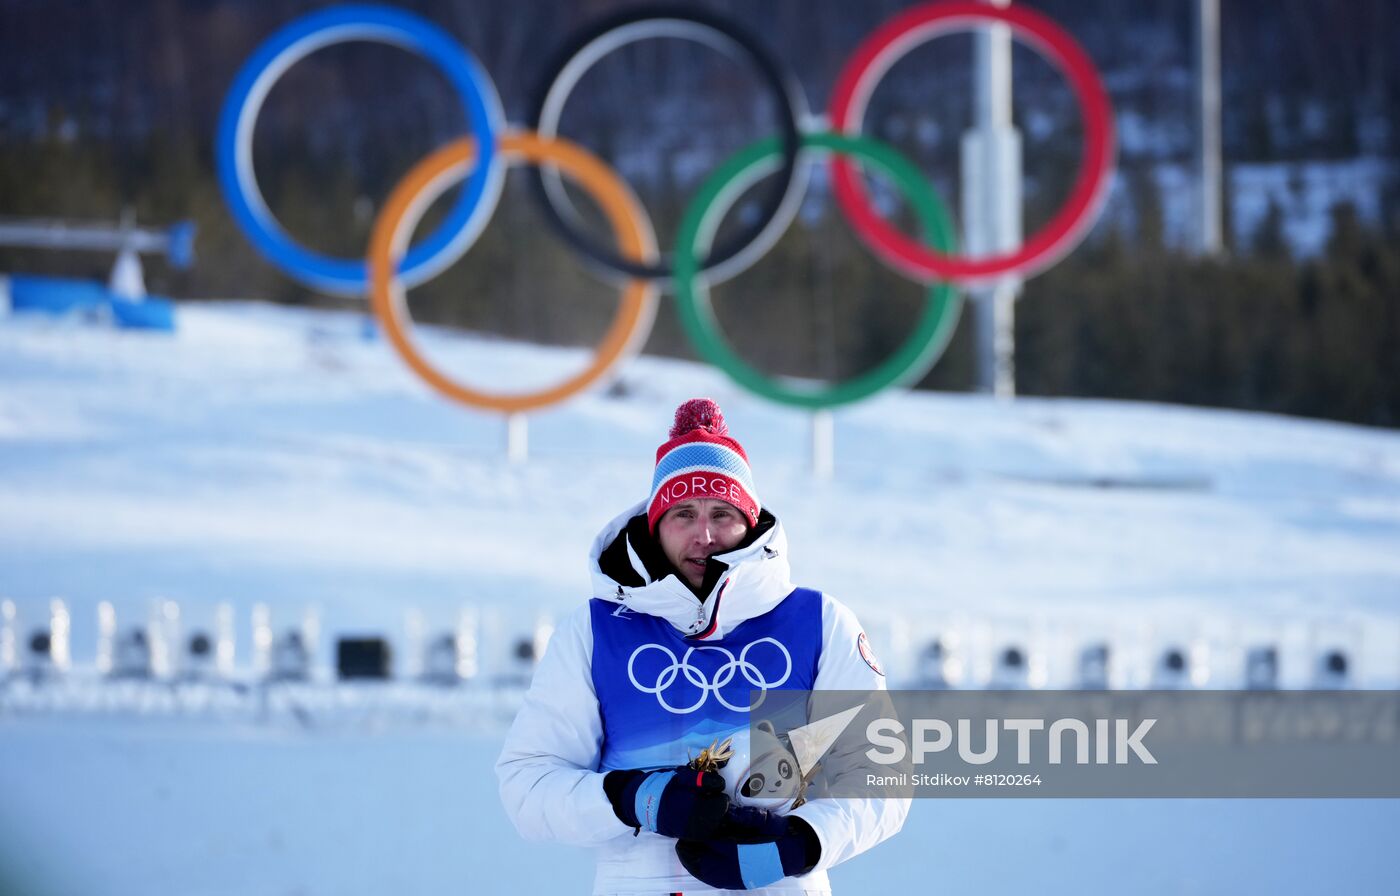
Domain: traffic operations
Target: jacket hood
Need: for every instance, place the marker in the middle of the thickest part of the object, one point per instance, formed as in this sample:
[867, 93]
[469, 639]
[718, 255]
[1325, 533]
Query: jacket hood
[627, 569]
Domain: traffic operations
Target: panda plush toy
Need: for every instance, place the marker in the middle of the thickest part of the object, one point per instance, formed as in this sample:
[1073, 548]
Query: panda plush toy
[762, 771]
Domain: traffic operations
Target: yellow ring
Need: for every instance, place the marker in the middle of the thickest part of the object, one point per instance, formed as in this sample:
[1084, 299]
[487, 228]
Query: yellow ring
[429, 179]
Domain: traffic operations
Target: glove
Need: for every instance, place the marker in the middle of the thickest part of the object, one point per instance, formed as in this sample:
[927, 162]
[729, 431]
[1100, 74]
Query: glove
[750, 824]
[729, 865]
[676, 802]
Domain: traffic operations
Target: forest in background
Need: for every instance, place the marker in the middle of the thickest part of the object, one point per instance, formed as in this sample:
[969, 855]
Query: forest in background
[117, 116]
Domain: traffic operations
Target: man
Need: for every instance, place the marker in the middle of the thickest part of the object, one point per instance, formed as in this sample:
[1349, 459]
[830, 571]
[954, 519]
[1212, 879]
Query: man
[693, 607]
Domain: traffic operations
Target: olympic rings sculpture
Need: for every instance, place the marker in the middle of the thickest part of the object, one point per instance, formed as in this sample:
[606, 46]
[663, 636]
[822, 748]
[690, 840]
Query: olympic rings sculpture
[391, 265]
[753, 675]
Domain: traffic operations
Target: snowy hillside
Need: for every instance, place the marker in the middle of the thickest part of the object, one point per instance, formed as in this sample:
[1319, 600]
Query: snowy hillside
[272, 456]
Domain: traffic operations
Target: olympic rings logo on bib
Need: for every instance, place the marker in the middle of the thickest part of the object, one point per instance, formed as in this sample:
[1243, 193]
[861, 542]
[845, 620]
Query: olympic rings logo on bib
[678, 669]
[392, 266]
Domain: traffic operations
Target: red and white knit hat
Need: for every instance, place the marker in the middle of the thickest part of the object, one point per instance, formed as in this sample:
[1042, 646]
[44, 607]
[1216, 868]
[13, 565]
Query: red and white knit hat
[701, 461]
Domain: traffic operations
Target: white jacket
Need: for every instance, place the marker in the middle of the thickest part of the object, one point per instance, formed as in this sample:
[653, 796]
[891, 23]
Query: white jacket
[549, 774]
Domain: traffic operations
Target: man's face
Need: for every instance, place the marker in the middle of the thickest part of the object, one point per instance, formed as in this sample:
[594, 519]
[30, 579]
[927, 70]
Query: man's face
[692, 531]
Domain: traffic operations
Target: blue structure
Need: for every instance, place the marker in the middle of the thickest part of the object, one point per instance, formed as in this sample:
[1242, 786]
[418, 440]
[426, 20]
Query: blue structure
[123, 299]
[66, 295]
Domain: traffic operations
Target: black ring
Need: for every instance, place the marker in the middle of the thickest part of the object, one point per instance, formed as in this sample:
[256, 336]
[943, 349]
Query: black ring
[771, 196]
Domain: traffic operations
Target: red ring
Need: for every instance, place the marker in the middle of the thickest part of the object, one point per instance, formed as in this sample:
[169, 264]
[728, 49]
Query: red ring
[1046, 245]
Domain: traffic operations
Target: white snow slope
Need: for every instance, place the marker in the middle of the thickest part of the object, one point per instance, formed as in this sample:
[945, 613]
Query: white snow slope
[271, 455]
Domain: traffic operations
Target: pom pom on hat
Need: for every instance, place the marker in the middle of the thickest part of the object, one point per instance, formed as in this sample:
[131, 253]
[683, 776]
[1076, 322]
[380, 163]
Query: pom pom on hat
[701, 460]
[699, 413]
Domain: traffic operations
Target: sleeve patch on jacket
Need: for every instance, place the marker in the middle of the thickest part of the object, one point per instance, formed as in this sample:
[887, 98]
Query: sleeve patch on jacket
[869, 655]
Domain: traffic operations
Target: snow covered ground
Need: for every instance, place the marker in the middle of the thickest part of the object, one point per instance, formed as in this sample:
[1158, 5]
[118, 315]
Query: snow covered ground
[274, 456]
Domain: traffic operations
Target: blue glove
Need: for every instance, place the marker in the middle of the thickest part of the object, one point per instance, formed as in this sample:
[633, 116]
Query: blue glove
[674, 802]
[729, 865]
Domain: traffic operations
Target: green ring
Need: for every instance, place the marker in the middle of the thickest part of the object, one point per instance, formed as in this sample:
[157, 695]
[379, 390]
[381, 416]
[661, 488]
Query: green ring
[915, 355]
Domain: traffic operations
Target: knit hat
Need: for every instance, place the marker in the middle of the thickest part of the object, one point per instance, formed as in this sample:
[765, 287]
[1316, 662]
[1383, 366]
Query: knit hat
[701, 461]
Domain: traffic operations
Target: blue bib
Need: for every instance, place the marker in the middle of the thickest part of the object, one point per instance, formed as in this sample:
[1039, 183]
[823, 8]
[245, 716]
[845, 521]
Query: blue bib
[663, 698]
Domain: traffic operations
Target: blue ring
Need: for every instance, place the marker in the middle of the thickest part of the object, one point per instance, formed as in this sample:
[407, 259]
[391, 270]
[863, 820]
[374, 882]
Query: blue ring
[383, 25]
